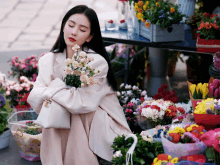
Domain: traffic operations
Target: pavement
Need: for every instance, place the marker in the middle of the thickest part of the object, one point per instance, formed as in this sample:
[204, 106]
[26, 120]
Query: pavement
[31, 27]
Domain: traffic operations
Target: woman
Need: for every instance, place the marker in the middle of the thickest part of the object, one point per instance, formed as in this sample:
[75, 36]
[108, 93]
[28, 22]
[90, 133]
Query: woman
[96, 115]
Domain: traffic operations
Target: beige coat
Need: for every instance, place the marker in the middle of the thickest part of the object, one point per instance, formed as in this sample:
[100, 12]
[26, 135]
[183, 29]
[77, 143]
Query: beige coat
[96, 115]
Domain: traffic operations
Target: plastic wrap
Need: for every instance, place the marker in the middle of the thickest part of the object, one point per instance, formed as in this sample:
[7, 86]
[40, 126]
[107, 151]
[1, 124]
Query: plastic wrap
[179, 149]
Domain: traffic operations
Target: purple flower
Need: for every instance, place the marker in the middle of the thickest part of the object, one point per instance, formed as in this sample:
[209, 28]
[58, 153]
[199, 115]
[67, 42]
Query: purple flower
[2, 101]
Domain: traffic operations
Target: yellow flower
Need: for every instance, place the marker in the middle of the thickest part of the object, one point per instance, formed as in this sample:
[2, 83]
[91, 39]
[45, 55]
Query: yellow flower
[145, 7]
[155, 160]
[136, 8]
[192, 88]
[174, 160]
[147, 2]
[139, 16]
[200, 108]
[140, 10]
[199, 87]
[172, 131]
[152, 8]
[157, 4]
[147, 24]
[172, 10]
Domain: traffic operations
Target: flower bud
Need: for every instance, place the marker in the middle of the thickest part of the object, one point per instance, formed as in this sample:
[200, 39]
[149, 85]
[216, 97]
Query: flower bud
[211, 90]
[215, 83]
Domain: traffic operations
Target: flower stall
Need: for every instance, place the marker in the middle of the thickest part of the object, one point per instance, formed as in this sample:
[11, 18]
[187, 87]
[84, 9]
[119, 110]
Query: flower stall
[159, 21]
[209, 33]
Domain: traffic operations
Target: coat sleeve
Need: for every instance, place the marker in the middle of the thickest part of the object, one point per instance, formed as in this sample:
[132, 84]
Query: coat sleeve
[35, 97]
[85, 99]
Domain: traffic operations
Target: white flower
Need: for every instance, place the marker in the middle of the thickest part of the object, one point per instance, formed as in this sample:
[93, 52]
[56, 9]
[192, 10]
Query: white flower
[68, 70]
[175, 120]
[133, 101]
[118, 94]
[75, 64]
[8, 93]
[83, 73]
[143, 93]
[84, 78]
[82, 54]
[127, 86]
[126, 99]
[68, 61]
[149, 139]
[135, 87]
[91, 58]
[76, 47]
[117, 154]
[122, 85]
[123, 92]
[129, 93]
[144, 133]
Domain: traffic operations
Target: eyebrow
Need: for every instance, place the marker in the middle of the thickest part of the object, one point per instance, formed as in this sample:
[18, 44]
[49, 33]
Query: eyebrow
[79, 25]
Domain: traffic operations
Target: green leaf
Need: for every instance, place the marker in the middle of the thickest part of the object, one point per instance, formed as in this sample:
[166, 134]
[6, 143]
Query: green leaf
[210, 153]
[199, 95]
[195, 95]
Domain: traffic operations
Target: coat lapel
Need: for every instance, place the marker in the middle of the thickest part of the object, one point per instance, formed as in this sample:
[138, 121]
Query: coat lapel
[59, 65]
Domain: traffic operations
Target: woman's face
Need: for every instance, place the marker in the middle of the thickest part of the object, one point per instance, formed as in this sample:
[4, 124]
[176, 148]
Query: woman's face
[77, 30]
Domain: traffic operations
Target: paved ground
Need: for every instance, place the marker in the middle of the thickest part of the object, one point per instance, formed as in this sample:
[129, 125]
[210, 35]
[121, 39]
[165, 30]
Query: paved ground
[35, 24]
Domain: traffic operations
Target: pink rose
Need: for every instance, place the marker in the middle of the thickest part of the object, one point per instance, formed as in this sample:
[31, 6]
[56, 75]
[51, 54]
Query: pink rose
[8, 93]
[75, 72]
[68, 70]
[23, 66]
[83, 78]
[10, 72]
[16, 64]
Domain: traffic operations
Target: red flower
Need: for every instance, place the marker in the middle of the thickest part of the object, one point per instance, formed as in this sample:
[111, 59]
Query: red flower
[172, 93]
[214, 15]
[164, 93]
[175, 137]
[146, 106]
[155, 107]
[197, 135]
[174, 99]
[157, 96]
[142, 98]
[206, 15]
[172, 108]
[122, 21]
[111, 21]
[181, 110]
[163, 86]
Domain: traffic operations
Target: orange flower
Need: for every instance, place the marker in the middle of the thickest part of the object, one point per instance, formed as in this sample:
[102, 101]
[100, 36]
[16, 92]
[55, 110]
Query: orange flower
[207, 25]
[172, 10]
[175, 137]
[140, 3]
[215, 26]
[147, 24]
[140, 10]
[202, 25]
[143, 20]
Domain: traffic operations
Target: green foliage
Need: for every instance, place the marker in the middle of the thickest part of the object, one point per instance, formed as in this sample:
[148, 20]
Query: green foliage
[73, 80]
[3, 119]
[144, 152]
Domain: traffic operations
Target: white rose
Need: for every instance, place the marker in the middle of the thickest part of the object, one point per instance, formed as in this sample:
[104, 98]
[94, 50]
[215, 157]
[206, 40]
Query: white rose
[118, 94]
[68, 61]
[123, 92]
[135, 87]
[84, 78]
[68, 70]
[91, 58]
[75, 64]
[122, 85]
[83, 73]
[8, 93]
[143, 93]
[129, 93]
[82, 54]
[76, 47]
[117, 154]
[127, 86]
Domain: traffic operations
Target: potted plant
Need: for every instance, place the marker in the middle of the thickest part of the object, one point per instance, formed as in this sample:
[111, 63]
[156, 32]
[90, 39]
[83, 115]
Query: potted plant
[209, 33]
[159, 21]
[4, 129]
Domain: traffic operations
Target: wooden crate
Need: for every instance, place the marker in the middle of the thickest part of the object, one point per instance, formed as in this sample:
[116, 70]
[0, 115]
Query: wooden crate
[156, 34]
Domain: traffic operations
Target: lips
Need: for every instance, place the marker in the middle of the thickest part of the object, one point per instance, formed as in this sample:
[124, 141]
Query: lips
[72, 39]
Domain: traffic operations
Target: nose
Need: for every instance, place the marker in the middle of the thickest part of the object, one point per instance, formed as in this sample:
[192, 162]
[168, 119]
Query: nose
[74, 30]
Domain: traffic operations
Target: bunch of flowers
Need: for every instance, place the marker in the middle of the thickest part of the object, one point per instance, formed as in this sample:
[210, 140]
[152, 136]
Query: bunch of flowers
[199, 91]
[27, 67]
[129, 111]
[208, 106]
[3, 115]
[193, 20]
[185, 134]
[161, 13]
[163, 93]
[165, 159]
[15, 91]
[145, 151]
[128, 93]
[159, 112]
[79, 73]
[158, 130]
[179, 119]
[208, 27]
[214, 88]
[212, 141]
[31, 128]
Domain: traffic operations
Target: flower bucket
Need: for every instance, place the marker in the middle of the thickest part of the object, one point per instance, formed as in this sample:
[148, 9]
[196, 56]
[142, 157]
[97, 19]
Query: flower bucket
[209, 121]
[193, 101]
[4, 139]
[209, 46]
[27, 137]
[179, 149]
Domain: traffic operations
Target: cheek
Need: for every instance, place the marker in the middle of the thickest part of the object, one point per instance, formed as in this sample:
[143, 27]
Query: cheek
[66, 30]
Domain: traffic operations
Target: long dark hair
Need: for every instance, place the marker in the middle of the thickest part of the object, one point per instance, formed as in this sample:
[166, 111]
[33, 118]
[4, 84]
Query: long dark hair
[96, 43]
